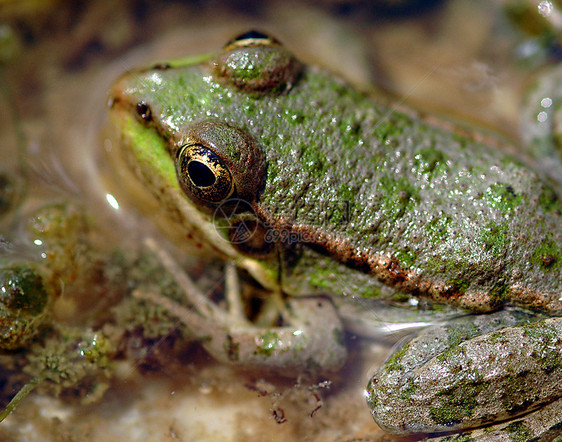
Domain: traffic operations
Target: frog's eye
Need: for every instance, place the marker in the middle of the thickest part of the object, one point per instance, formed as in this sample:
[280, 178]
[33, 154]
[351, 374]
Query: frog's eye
[257, 64]
[203, 174]
[251, 38]
[217, 162]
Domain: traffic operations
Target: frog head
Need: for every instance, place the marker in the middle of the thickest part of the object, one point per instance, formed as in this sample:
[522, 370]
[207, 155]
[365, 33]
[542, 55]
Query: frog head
[188, 132]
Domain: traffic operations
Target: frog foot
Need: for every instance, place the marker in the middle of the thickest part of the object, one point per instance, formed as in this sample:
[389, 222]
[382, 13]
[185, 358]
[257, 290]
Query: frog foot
[311, 336]
[472, 371]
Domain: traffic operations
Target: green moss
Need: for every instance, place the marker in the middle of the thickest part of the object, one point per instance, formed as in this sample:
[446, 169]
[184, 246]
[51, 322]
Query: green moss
[400, 297]
[408, 390]
[549, 201]
[496, 337]
[138, 316]
[429, 158]
[438, 229]
[393, 363]
[457, 438]
[351, 130]
[321, 278]
[72, 358]
[515, 392]
[458, 335]
[458, 285]
[22, 289]
[495, 240]
[391, 127]
[503, 197]
[545, 338]
[518, 431]
[23, 302]
[499, 293]
[446, 415]
[371, 291]
[312, 160]
[268, 344]
[406, 256]
[397, 196]
[96, 349]
[457, 402]
[62, 230]
[461, 140]
[452, 352]
[548, 255]
[339, 211]
[323, 273]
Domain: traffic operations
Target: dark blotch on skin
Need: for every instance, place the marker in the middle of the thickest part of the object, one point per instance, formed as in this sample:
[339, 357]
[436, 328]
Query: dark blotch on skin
[233, 349]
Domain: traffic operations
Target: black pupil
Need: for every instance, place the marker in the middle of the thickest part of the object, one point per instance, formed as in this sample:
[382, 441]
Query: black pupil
[200, 174]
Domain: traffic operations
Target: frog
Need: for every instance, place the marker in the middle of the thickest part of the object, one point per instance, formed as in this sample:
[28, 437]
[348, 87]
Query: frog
[325, 195]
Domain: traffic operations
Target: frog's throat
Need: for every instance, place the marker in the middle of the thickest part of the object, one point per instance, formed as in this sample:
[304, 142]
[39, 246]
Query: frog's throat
[223, 247]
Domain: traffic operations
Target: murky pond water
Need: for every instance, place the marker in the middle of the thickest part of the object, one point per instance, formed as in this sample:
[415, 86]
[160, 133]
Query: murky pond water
[464, 60]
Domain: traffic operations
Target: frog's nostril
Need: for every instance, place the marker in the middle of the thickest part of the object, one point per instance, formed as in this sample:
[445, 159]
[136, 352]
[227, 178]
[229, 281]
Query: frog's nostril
[200, 174]
[144, 111]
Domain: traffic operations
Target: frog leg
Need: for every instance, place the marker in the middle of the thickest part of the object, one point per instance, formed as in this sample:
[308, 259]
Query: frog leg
[235, 305]
[469, 372]
[311, 335]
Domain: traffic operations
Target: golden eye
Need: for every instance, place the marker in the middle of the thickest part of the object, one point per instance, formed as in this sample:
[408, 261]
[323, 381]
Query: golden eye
[217, 162]
[203, 174]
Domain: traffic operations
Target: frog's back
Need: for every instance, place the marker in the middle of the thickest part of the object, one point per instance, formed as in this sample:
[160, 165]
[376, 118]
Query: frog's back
[426, 210]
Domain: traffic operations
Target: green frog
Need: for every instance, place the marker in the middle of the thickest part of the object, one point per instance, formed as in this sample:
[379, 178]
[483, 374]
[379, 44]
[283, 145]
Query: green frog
[327, 197]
